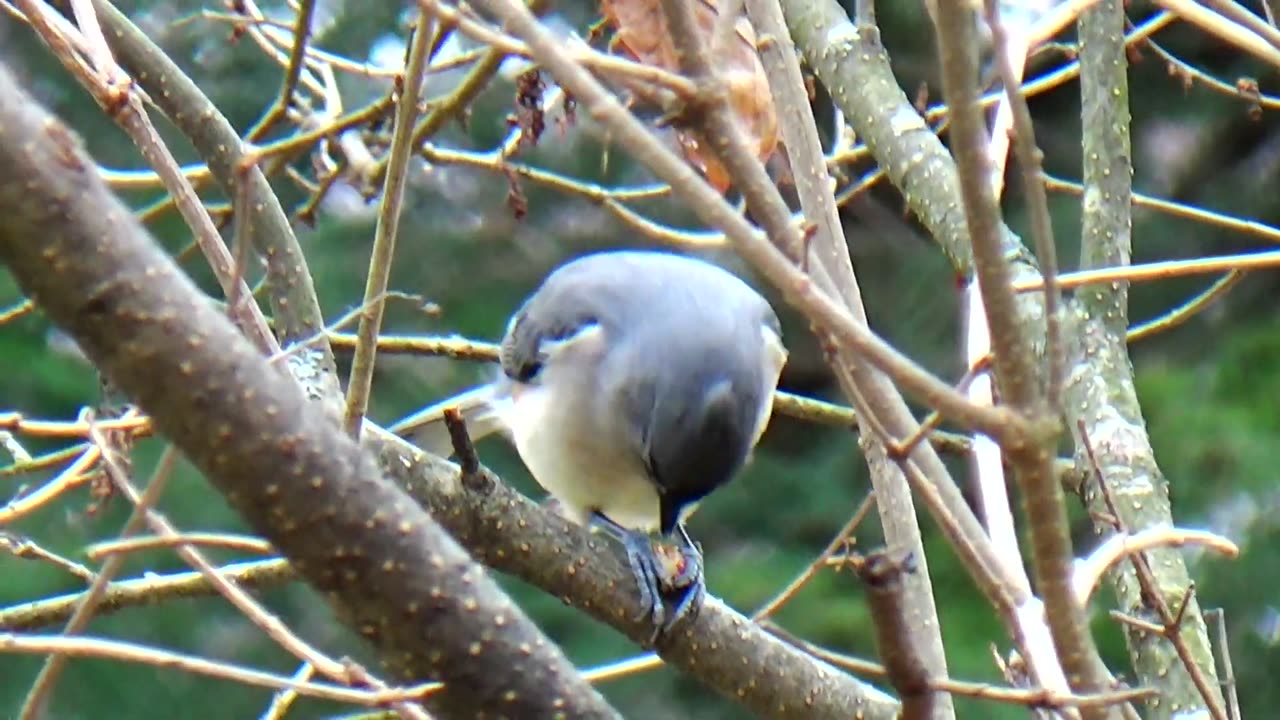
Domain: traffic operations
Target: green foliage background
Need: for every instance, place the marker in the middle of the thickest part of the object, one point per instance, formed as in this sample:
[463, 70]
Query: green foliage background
[1209, 389]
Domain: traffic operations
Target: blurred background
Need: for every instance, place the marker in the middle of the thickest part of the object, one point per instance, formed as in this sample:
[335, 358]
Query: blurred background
[1210, 389]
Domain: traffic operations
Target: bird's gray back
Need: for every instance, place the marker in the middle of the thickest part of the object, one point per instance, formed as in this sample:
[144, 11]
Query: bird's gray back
[637, 298]
[685, 372]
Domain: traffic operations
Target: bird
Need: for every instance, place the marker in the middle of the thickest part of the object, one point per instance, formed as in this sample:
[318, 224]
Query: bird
[633, 384]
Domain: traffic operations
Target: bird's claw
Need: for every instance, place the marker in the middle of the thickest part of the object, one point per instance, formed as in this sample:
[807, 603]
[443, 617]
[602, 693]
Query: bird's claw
[685, 577]
[645, 567]
[662, 571]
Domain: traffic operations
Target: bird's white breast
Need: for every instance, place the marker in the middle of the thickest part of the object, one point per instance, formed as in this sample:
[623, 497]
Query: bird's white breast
[581, 466]
[587, 462]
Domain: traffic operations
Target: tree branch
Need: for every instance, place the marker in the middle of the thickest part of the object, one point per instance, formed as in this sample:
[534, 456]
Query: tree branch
[387, 567]
[833, 272]
[1100, 390]
[360, 381]
[509, 532]
[1016, 372]
[295, 308]
[146, 590]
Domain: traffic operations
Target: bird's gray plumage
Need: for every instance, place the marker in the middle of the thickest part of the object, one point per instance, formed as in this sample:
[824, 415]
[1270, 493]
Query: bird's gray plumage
[633, 384]
[687, 403]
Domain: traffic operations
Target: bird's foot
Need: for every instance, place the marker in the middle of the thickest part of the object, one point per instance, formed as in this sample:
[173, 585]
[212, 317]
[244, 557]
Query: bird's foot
[682, 573]
[662, 572]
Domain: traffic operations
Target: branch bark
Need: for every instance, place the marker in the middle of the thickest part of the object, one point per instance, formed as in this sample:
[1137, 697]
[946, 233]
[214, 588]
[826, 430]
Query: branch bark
[852, 64]
[720, 647]
[1016, 372]
[294, 304]
[1100, 391]
[388, 568]
[832, 271]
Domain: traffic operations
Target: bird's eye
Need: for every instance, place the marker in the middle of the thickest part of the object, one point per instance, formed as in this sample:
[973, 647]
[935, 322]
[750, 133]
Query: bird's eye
[526, 371]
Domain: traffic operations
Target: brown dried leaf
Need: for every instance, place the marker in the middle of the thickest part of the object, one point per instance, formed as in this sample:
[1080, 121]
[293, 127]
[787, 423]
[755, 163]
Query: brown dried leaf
[528, 116]
[640, 30]
[516, 199]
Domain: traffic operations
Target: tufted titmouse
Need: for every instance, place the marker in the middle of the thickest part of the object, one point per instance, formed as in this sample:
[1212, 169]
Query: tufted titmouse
[633, 384]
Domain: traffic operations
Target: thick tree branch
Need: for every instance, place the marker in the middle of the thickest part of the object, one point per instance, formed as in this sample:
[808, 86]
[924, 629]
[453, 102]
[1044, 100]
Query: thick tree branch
[509, 532]
[1015, 363]
[1100, 392]
[387, 567]
[295, 308]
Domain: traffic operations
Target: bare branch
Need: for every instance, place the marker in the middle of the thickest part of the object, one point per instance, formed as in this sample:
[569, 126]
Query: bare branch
[384, 238]
[295, 309]
[394, 574]
[1099, 398]
[34, 704]
[1016, 372]
[882, 575]
[509, 532]
[66, 647]
[146, 590]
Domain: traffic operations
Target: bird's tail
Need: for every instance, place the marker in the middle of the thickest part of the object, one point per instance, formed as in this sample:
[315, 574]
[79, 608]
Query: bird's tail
[426, 428]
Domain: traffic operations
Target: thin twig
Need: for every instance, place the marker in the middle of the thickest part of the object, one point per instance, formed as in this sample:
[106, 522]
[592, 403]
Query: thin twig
[1187, 310]
[146, 590]
[1089, 572]
[384, 239]
[840, 540]
[42, 686]
[1030, 161]
[29, 549]
[1239, 14]
[224, 541]
[1162, 270]
[57, 457]
[297, 54]
[1224, 29]
[64, 648]
[283, 699]
[77, 474]
[23, 307]
[1261, 230]
[1228, 675]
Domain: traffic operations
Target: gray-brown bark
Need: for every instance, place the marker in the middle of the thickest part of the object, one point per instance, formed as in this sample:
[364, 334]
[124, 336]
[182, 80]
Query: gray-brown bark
[389, 569]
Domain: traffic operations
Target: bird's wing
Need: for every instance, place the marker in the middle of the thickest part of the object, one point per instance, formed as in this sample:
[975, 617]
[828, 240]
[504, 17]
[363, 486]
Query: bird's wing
[775, 359]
